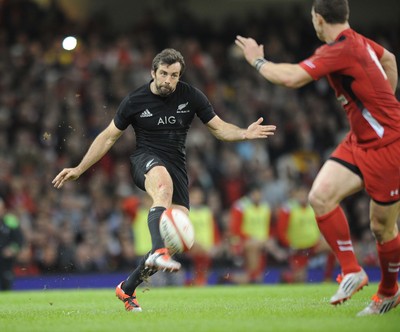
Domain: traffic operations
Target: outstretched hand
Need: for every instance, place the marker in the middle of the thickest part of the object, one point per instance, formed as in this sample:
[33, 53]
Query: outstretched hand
[65, 175]
[251, 50]
[256, 130]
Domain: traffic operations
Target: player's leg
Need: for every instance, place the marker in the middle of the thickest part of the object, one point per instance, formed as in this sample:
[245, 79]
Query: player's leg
[159, 186]
[126, 290]
[168, 185]
[382, 182]
[334, 182]
[384, 226]
[164, 188]
[149, 174]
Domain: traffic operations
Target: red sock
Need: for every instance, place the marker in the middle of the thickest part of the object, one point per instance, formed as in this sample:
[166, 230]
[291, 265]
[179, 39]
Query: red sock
[389, 258]
[335, 229]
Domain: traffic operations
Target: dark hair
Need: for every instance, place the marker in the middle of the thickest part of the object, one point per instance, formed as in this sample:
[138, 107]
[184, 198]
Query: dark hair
[253, 186]
[333, 11]
[168, 57]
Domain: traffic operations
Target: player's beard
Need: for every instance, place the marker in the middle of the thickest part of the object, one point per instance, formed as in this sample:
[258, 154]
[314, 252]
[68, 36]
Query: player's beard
[163, 90]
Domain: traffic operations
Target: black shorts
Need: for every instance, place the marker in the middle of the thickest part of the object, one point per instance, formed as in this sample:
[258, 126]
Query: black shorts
[143, 162]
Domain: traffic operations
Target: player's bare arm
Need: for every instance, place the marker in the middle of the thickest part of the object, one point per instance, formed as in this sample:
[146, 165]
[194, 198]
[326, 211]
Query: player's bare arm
[102, 143]
[286, 74]
[225, 131]
[389, 65]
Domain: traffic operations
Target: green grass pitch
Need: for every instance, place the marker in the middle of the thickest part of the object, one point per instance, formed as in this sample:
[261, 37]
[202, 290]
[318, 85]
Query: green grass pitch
[217, 308]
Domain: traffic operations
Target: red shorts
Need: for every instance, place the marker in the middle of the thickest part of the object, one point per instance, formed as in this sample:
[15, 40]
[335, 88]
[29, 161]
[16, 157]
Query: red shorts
[379, 168]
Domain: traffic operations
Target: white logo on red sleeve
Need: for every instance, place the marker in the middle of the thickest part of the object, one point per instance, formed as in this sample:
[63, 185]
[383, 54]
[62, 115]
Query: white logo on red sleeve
[309, 63]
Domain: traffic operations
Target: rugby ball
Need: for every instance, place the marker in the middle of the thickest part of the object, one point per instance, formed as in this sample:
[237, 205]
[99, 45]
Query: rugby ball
[176, 231]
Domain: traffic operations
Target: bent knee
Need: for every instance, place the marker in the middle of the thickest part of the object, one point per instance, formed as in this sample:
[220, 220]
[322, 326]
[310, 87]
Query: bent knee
[315, 199]
[318, 201]
[322, 199]
[382, 231]
[379, 230]
[383, 222]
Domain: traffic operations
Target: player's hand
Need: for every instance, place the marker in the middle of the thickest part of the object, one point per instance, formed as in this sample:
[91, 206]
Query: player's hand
[256, 130]
[251, 50]
[66, 174]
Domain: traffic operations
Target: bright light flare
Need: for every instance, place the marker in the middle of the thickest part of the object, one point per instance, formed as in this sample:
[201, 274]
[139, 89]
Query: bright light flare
[69, 43]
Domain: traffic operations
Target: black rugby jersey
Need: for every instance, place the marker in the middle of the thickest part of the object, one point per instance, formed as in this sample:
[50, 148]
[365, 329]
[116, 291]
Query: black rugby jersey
[161, 124]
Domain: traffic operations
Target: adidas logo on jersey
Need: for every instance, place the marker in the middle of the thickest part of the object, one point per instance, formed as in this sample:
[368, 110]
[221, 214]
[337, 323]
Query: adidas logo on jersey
[146, 114]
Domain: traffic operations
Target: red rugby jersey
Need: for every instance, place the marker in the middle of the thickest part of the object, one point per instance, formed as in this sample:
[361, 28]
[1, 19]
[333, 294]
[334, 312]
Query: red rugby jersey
[351, 65]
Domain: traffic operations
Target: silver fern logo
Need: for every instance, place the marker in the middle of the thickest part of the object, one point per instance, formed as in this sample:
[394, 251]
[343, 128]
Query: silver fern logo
[181, 108]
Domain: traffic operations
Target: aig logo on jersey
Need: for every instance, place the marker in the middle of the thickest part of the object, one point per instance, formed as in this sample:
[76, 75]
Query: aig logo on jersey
[165, 120]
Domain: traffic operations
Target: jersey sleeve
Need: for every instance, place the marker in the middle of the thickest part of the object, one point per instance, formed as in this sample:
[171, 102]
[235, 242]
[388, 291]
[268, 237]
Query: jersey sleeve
[326, 59]
[378, 49]
[204, 111]
[121, 120]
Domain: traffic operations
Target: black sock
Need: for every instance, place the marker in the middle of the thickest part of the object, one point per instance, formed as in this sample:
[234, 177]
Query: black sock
[140, 274]
[153, 221]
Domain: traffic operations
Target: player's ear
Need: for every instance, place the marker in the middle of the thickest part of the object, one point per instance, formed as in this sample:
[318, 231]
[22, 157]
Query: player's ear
[319, 19]
[316, 18]
[153, 74]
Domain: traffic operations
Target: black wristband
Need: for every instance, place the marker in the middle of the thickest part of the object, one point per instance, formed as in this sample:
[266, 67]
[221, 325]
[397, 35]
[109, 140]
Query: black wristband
[258, 63]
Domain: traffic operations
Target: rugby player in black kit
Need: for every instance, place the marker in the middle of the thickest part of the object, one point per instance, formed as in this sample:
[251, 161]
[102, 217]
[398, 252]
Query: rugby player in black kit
[161, 113]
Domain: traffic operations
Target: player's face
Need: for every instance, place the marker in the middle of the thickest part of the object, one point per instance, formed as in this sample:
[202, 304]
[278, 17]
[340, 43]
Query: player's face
[317, 23]
[166, 78]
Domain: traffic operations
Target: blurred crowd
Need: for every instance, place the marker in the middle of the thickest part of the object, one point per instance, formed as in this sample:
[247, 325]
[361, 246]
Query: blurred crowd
[54, 102]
